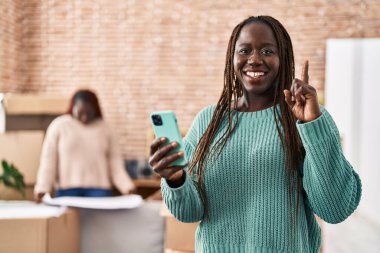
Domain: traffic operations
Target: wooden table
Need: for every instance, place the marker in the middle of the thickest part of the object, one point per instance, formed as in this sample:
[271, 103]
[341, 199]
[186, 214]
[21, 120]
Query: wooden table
[147, 186]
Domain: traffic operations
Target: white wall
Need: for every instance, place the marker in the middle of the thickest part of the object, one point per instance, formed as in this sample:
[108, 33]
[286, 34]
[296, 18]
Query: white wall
[352, 93]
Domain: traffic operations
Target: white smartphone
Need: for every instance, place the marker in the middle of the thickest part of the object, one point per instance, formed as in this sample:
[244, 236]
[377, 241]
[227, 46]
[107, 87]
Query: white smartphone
[165, 125]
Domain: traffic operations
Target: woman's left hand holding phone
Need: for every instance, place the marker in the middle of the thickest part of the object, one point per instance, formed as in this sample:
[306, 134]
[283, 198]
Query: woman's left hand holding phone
[160, 161]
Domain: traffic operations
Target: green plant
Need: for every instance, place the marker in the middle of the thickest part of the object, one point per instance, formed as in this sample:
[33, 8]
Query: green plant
[12, 178]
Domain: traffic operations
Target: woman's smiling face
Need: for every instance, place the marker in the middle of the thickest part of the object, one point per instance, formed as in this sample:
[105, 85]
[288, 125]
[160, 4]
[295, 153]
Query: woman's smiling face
[256, 59]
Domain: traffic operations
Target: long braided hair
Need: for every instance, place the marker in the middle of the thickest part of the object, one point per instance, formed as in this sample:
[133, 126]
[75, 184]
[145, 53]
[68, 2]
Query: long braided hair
[232, 91]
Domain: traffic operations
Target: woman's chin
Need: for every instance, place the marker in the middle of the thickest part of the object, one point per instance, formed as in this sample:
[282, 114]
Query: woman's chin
[257, 88]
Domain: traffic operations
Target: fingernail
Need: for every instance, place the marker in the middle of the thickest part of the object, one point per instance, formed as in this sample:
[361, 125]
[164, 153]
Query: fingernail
[180, 153]
[174, 144]
[162, 138]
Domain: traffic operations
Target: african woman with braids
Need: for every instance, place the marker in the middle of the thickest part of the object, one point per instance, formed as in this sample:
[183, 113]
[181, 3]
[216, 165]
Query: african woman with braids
[264, 159]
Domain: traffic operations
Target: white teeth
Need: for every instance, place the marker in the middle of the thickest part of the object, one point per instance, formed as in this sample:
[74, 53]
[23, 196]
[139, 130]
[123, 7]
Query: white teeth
[255, 74]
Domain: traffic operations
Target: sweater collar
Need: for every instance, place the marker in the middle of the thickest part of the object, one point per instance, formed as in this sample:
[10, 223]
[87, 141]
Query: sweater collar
[265, 113]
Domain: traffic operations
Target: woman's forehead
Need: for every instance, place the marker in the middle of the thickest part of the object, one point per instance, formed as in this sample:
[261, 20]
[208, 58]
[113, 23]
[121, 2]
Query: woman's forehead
[82, 102]
[256, 32]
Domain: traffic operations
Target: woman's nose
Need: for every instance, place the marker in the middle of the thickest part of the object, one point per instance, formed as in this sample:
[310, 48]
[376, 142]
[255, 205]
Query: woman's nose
[255, 59]
[84, 118]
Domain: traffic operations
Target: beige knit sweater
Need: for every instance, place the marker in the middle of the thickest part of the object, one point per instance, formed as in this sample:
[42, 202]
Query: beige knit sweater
[77, 155]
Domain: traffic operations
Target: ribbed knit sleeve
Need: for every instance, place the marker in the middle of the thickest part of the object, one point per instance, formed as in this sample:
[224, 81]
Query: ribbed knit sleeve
[333, 188]
[184, 202]
[47, 172]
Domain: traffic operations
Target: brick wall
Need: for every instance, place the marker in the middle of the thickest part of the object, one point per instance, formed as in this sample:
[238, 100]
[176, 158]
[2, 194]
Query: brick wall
[11, 55]
[142, 56]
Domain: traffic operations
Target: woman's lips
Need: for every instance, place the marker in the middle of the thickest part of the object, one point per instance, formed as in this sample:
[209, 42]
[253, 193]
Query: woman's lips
[254, 75]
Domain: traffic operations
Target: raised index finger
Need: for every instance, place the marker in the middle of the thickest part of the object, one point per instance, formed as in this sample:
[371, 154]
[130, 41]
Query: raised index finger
[305, 72]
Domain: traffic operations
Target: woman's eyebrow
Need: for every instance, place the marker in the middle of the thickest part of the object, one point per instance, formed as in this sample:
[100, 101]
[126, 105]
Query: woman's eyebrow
[265, 44]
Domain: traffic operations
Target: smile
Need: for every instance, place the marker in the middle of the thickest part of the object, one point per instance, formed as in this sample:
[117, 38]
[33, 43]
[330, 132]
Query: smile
[254, 74]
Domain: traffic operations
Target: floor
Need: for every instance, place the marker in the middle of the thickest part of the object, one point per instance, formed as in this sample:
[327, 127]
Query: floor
[356, 234]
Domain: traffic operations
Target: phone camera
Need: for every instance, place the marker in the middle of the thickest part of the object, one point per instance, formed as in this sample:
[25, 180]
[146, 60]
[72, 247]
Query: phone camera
[157, 120]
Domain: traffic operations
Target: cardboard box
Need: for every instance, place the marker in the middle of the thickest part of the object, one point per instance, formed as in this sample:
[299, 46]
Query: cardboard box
[41, 235]
[179, 236]
[176, 251]
[23, 149]
[11, 194]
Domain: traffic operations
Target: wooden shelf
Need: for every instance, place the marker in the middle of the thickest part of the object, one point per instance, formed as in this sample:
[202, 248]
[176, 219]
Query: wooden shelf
[26, 104]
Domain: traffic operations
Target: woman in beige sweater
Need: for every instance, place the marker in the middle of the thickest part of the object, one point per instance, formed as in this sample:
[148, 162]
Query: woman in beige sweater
[79, 155]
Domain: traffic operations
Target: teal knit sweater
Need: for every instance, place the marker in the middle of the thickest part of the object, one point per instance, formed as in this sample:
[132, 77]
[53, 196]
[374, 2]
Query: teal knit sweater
[247, 189]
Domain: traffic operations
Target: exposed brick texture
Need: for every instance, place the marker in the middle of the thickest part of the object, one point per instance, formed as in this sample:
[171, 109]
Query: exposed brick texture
[11, 48]
[142, 56]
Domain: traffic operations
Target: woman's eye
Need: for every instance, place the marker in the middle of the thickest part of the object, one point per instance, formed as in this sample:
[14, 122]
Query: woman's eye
[243, 51]
[266, 52]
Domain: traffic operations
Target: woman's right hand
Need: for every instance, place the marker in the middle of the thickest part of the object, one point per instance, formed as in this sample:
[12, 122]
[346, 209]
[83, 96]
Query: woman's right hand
[160, 161]
[38, 197]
